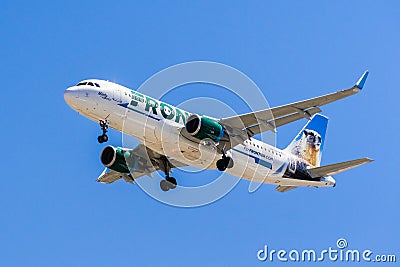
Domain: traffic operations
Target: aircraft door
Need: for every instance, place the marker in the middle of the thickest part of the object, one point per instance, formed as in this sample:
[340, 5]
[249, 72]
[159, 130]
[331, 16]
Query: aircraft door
[117, 95]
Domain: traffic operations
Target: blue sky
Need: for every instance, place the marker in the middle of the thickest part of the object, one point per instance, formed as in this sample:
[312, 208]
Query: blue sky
[53, 213]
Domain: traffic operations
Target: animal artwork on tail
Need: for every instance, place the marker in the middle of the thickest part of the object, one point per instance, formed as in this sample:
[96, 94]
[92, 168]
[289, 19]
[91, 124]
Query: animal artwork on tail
[309, 143]
[309, 147]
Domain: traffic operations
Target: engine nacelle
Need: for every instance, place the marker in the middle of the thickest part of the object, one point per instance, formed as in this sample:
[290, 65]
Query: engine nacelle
[204, 127]
[118, 159]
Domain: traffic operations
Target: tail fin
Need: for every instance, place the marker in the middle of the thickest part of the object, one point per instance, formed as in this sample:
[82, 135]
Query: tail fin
[309, 143]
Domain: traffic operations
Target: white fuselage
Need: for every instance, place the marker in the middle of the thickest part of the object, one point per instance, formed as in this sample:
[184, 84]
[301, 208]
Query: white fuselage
[158, 125]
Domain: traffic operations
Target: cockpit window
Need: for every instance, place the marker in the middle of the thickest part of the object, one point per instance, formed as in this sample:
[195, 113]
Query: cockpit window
[88, 83]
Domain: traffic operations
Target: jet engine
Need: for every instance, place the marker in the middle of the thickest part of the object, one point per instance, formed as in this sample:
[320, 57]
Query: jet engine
[118, 159]
[201, 127]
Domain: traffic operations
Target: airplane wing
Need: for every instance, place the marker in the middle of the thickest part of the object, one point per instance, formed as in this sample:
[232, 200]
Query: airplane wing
[284, 188]
[149, 161]
[337, 167]
[244, 126]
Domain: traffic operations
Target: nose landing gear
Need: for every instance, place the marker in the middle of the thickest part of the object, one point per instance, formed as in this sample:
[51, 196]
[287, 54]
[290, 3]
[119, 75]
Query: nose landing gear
[104, 126]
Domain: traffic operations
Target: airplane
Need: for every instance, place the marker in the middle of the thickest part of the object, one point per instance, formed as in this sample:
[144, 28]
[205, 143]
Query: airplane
[171, 137]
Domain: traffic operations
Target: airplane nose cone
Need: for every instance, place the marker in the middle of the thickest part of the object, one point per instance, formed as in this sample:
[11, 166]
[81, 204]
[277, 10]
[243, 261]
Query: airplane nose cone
[68, 95]
[71, 96]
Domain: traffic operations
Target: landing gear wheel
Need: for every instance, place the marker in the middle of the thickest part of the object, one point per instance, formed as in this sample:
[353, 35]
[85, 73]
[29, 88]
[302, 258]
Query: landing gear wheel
[104, 126]
[221, 165]
[228, 162]
[172, 182]
[164, 185]
[102, 138]
[224, 163]
[168, 183]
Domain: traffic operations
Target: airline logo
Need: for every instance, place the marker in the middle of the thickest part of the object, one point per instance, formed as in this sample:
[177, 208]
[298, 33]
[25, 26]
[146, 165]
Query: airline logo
[156, 107]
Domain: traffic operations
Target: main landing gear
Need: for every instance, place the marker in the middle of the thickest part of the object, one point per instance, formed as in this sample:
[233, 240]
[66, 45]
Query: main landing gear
[224, 163]
[104, 126]
[169, 182]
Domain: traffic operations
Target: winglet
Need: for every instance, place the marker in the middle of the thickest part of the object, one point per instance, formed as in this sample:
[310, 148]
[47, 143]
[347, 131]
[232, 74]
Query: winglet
[360, 83]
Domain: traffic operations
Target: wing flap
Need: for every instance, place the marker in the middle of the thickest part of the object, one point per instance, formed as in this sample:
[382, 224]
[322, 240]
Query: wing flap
[296, 116]
[113, 176]
[333, 169]
[284, 188]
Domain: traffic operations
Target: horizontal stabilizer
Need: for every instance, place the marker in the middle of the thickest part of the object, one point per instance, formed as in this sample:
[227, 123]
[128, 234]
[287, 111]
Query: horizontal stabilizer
[337, 167]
